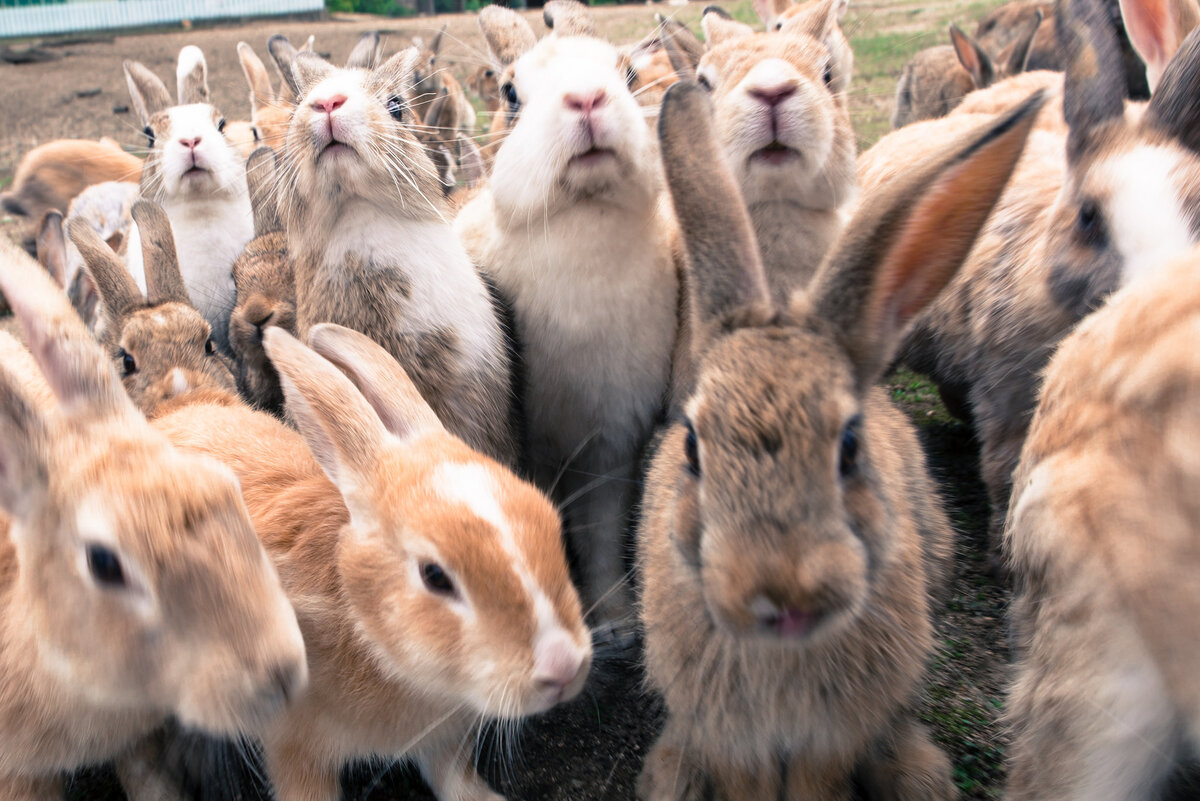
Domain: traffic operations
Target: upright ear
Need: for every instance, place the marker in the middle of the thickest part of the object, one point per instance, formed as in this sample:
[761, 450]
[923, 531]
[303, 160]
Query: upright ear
[1174, 107]
[769, 10]
[164, 281]
[118, 291]
[380, 379]
[1156, 29]
[725, 273]
[365, 54]
[683, 48]
[974, 60]
[192, 76]
[507, 33]
[907, 242]
[816, 18]
[1095, 87]
[341, 429]
[308, 70]
[24, 448]
[52, 247]
[397, 72]
[568, 18]
[719, 27]
[69, 357]
[261, 93]
[148, 92]
[284, 55]
[260, 179]
[436, 45]
[1015, 57]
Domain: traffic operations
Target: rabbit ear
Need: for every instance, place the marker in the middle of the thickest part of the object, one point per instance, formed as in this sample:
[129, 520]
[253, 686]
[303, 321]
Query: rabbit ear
[52, 247]
[118, 291]
[816, 19]
[148, 92]
[568, 18]
[1173, 108]
[379, 377]
[284, 54]
[309, 69]
[261, 93]
[192, 76]
[908, 241]
[974, 60]
[164, 281]
[260, 179]
[769, 10]
[1095, 88]
[436, 45]
[507, 33]
[1016, 56]
[719, 27]
[674, 41]
[24, 449]
[725, 273]
[68, 355]
[343, 432]
[397, 72]
[365, 54]
[470, 162]
[1156, 29]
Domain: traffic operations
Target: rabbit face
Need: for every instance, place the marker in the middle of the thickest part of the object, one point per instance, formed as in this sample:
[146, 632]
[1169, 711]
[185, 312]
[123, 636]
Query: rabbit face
[191, 156]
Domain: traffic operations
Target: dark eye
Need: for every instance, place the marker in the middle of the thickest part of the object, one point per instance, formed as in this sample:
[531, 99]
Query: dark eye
[128, 365]
[395, 107]
[691, 450]
[828, 74]
[209, 347]
[779, 26]
[1090, 225]
[510, 96]
[149, 132]
[489, 74]
[436, 579]
[255, 133]
[630, 77]
[221, 125]
[105, 566]
[703, 81]
[848, 450]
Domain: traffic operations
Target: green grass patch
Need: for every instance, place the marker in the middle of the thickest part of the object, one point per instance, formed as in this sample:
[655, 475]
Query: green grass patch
[918, 397]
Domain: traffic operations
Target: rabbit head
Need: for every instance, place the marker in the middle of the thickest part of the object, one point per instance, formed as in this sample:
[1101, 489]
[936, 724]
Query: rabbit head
[270, 112]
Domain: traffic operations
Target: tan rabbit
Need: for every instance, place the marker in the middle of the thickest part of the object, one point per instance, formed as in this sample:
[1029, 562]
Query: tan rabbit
[781, 14]
[661, 58]
[1007, 23]
[432, 79]
[569, 228]
[270, 112]
[430, 583]
[132, 585]
[786, 134]
[791, 538]
[1102, 544]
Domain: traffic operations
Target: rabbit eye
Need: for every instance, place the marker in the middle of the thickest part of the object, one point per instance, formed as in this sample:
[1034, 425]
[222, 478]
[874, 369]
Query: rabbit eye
[209, 347]
[128, 365]
[395, 107]
[221, 125]
[691, 450]
[436, 580]
[705, 82]
[1090, 225]
[510, 96]
[828, 74]
[105, 566]
[149, 132]
[848, 451]
[630, 77]
[254, 132]
[779, 26]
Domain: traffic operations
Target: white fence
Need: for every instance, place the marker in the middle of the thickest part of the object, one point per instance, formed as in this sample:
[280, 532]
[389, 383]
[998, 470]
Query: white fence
[73, 17]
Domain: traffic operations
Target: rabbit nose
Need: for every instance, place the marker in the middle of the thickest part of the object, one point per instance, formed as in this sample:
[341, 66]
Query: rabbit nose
[190, 144]
[773, 95]
[329, 104]
[585, 103]
[557, 661]
[782, 621]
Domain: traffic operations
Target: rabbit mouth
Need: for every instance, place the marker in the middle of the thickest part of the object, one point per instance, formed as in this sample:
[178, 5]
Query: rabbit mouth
[334, 149]
[593, 156]
[195, 171]
[775, 153]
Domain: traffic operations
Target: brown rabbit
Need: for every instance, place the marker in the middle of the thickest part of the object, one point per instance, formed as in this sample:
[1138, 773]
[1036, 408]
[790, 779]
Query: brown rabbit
[132, 586]
[791, 537]
[432, 80]
[1007, 23]
[1102, 543]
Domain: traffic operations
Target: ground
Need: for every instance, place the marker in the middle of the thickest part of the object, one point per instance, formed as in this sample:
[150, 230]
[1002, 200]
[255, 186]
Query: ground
[592, 748]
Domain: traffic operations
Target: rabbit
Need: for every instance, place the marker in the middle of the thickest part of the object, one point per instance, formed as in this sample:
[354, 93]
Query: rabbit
[1112, 201]
[372, 249]
[786, 134]
[791, 540]
[132, 584]
[50, 175]
[937, 79]
[270, 112]
[1006, 23]
[569, 227]
[453, 154]
[198, 179]
[430, 582]
[657, 61]
[159, 344]
[1101, 541]
[780, 14]
[266, 289]
[431, 80]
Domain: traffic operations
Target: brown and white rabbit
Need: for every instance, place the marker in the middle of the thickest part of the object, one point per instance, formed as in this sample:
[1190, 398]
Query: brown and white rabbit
[1102, 544]
[1118, 199]
[791, 538]
[199, 180]
[786, 134]
[372, 248]
[430, 583]
[1005, 24]
[132, 585]
[780, 14]
[432, 80]
[270, 111]
[670, 52]
[569, 228]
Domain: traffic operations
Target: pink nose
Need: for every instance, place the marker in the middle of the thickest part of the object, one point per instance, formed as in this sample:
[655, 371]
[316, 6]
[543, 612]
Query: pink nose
[774, 95]
[585, 102]
[329, 104]
[556, 664]
[190, 144]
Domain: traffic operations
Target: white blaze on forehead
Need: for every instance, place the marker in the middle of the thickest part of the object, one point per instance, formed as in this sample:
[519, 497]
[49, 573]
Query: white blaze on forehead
[1147, 222]
[770, 73]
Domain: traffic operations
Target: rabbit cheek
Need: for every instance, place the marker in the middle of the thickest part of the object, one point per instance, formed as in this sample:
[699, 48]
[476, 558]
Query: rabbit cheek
[688, 529]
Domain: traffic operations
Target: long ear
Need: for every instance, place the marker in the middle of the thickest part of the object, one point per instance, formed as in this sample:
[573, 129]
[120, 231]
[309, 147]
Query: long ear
[816, 19]
[907, 242]
[568, 18]
[24, 449]
[309, 69]
[1156, 29]
[261, 93]
[719, 27]
[507, 33]
[284, 54]
[398, 71]
[68, 355]
[673, 41]
[164, 281]
[436, 45]
[1095, 88]
[1174, 107]
[974, 60]
[192, 76]
[118, 291]
[725, 272]
[365, 54]
[148, 92]
[769, 10]
[260, 179]
[341, 429]
[52, 247]
[379, 377]
[1016, 56]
